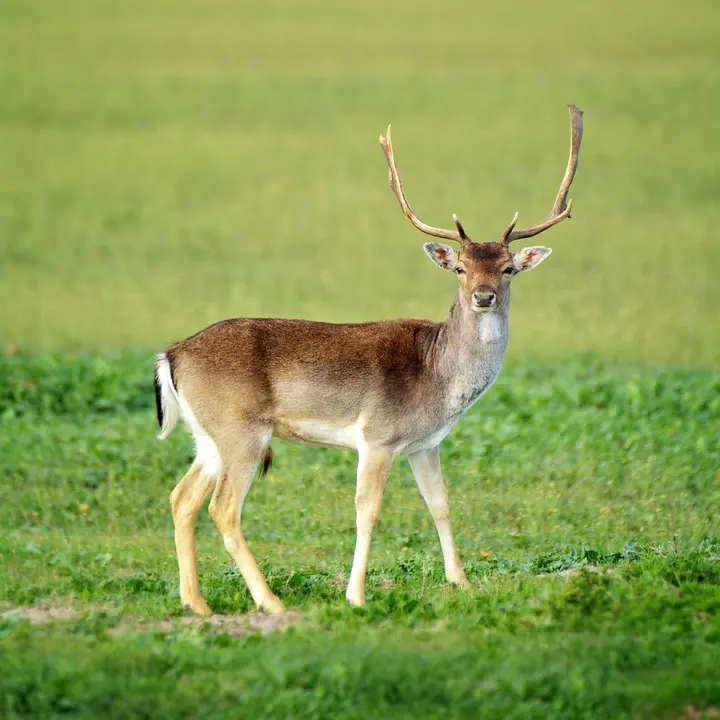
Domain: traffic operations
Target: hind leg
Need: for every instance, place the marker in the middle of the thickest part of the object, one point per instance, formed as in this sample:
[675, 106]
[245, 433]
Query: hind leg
[240, 461]
[186, 500]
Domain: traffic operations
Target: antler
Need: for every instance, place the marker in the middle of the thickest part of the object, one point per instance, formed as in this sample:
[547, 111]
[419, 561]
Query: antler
[458, 235]
[562, 207]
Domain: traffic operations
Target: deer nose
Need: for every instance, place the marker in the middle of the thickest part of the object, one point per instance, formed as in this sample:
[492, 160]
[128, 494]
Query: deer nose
[483, 298]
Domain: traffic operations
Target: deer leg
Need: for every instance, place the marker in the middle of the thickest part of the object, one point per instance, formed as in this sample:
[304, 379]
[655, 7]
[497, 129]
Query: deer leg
[186, 500]
[239, 467]
[426, 468]
[373, 469]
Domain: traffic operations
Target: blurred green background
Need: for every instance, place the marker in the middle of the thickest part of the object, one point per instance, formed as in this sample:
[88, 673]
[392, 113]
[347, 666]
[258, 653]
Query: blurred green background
[166, 165]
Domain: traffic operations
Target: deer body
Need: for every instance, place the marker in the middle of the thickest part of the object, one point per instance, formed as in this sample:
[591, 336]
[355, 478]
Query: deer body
[406, 386]
[383, 389]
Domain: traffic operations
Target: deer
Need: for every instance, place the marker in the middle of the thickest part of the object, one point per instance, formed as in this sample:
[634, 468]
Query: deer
[383, 389]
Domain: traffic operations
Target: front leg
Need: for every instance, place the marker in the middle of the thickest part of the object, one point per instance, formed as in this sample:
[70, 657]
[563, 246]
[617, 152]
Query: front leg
[425, 465]
[373, 468]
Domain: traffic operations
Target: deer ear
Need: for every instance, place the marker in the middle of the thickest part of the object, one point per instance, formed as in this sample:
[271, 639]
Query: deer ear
[529, 257]
[442, 255]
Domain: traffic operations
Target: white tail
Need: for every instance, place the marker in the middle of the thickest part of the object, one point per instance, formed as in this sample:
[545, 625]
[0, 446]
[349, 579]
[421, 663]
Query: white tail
[168, 403]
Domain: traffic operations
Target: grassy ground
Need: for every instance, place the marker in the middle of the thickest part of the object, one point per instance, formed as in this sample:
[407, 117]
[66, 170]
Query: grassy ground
[560, 469]
[165, 165]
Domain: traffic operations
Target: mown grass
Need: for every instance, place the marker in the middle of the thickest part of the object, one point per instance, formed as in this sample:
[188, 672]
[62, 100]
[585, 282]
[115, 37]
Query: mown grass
[560, 467]
[165, 166]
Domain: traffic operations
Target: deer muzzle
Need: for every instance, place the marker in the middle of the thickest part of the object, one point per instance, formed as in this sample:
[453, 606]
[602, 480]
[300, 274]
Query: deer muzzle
[483, 299]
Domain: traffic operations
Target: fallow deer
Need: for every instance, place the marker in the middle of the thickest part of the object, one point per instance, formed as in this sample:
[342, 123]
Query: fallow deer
[383, 389]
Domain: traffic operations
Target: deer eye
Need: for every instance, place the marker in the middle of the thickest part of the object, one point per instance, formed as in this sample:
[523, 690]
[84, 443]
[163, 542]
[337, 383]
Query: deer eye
[459, 271]
[509, 270]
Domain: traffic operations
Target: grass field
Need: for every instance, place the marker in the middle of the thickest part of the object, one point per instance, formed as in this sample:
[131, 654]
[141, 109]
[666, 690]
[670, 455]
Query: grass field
[166, 165]
[559, 469]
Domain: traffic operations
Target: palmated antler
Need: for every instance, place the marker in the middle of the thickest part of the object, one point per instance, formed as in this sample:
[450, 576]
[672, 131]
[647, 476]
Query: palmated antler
[562, 207]
[458, 235]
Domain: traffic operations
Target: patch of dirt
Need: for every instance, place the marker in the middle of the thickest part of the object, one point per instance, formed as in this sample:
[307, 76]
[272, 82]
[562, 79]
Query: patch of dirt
[40, 615]
[234, 625]
[570, 572]
[694, 713]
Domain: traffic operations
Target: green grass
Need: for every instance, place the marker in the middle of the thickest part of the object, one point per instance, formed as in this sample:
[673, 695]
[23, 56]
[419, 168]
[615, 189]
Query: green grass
[167, 165]
[561, 466]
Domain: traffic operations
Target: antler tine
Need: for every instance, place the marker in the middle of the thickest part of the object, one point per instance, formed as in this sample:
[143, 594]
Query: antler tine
[461, 230]
[562, 207]
[458, 235]
[509, 229]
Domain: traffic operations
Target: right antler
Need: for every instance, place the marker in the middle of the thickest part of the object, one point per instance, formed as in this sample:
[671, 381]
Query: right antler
[458, 235]
[561, 208]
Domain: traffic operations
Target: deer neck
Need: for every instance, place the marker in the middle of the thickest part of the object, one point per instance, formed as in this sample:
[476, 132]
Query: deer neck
[470, 351]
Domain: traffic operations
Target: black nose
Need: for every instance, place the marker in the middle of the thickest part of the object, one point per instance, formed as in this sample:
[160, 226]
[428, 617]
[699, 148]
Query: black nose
[483, 299]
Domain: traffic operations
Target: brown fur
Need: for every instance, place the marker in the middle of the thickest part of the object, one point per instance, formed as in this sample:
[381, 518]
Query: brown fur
[384, 389]
[233, 368]
[398, 383]
[484, 264]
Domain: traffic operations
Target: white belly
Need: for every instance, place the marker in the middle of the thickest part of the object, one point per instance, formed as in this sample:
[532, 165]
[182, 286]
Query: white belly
[428, 441]
[351, 437]
[320, 432]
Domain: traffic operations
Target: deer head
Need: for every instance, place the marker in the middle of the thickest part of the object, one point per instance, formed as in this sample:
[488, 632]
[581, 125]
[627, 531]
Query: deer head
[484, 269]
